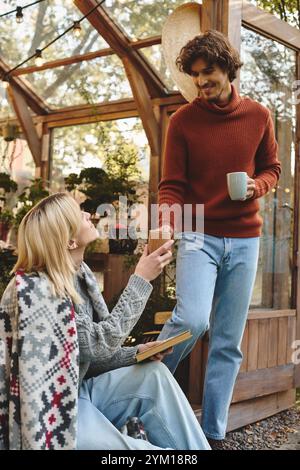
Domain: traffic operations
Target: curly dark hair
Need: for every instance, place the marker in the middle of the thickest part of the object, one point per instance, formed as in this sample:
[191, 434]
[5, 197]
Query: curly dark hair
[214, 48]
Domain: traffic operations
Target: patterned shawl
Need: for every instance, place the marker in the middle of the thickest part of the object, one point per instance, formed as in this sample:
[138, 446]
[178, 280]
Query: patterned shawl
[39, 358]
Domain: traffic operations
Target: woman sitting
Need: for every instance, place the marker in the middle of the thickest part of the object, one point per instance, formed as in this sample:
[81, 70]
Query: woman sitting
[57, 336]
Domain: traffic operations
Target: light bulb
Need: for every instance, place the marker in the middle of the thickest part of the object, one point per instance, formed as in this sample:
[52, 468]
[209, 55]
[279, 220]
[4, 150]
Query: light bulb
[5, 84]
[77, 29]
[39, 60]
[19, 15]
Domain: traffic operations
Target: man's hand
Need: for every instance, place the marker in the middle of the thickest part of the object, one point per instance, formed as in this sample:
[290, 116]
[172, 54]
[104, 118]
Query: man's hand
[158, 356]
[250, 188]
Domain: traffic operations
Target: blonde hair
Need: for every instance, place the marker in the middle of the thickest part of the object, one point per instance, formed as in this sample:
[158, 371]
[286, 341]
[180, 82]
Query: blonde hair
[43, 238]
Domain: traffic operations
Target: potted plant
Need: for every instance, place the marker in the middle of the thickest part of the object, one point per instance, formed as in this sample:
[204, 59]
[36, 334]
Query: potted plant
[7, 184]
[9, 132]
[29, 197]
[6, 221]
[100, 187]
[7, 260]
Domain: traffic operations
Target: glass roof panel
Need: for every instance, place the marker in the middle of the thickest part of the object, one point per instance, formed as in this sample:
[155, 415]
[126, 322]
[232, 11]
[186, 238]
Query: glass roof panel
[141, 18]
[41, 24]
[155, 57]
[88, 82]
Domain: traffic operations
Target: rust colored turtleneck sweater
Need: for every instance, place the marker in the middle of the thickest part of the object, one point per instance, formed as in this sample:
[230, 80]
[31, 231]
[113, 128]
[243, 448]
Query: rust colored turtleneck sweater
[206, 141]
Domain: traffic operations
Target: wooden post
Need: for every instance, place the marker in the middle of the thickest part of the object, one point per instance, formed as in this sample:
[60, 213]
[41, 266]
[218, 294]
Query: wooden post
[224, 16]
[45, 154]
[20, 106]
[208, 17]
[119, 42]
[25, 90]
[283, 218]
[164, 123]
[150, 124]
[296, 258]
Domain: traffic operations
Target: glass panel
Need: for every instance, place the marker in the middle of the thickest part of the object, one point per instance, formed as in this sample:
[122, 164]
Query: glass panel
[267, 76]
[17, 160]
[79, 147]
[94, 81]
[5, 107]
[141, 18]
[155, 57]
[42, 23]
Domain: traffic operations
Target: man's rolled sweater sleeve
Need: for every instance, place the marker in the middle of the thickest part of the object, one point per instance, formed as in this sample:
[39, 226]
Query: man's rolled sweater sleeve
[267, 165]
[103, 339]
[173, 184]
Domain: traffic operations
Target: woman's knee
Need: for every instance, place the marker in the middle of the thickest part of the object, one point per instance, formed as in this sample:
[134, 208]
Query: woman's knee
[156, 370]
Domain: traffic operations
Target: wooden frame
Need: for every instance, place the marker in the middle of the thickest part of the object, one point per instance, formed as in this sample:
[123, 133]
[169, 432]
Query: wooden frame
[20, 106]
[24, 88]
[268, 25]
[84, 57]
[121, 45]
[296, 235]
[267, 377]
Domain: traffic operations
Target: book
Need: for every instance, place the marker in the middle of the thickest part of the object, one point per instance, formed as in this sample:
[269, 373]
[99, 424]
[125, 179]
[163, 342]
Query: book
[165, 344]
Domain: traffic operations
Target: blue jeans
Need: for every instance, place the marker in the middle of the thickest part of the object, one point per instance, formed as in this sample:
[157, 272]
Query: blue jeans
[147, 391]
[215, 278]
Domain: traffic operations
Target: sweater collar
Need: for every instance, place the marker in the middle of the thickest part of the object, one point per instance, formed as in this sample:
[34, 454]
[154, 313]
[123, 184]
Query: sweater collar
[214, 108]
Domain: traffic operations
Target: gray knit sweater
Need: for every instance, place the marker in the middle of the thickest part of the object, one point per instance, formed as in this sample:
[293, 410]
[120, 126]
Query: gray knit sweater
[100, 333]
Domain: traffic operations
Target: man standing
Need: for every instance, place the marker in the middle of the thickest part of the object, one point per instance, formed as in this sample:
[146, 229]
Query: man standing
[217, 133]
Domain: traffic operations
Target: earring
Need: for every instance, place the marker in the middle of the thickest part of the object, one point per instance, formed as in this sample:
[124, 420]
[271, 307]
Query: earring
[72, 245]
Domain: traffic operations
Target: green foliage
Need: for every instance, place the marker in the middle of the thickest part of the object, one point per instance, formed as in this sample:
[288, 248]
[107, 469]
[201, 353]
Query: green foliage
[110, 145]
[6, 217]
[30, 196]
[287, 10]
[7, 183]
[100, 185]
[7, 261]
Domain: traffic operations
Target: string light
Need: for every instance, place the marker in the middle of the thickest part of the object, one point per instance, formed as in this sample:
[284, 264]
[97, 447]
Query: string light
[5, 83]
[19, 15]
[19, 12]
[39, 60]
[77, 29]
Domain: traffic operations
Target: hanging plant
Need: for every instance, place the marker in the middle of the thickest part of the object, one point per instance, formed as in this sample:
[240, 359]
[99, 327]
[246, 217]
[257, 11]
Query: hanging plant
[9, 132]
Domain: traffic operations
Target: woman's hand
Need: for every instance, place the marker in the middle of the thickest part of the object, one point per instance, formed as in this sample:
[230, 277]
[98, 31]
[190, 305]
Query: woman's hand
[151, 266]
[158, 356]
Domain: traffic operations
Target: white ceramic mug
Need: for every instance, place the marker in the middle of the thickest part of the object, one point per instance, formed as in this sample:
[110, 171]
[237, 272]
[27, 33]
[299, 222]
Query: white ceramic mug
[237, 185]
